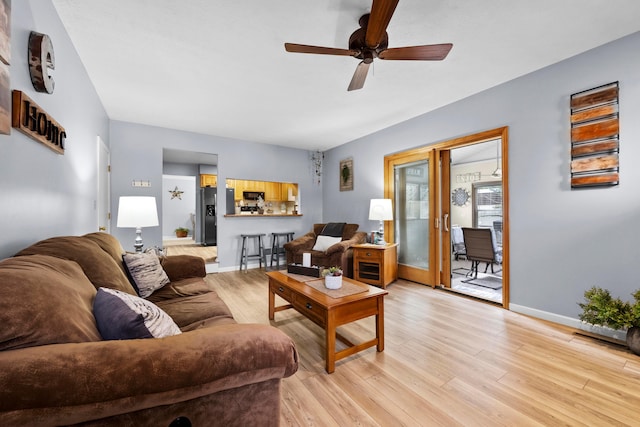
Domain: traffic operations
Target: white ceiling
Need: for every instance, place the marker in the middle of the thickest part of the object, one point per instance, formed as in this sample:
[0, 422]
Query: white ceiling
[219, 67]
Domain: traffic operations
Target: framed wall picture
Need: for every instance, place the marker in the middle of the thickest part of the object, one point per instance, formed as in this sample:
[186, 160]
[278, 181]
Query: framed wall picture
[346, 175]
[5, 100]
[5, 31]
[5, 59]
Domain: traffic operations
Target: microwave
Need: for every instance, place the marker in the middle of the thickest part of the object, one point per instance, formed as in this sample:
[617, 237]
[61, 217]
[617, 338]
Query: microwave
[252, 195]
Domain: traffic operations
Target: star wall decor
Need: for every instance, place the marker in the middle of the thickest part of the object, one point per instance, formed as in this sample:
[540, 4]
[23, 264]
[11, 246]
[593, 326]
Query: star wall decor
[176, 193]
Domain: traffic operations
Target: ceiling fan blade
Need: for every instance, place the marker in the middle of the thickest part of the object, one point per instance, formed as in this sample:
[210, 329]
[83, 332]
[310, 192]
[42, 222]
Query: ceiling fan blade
[303, 48]
[357, 81]
[381, 13]
[431, 52]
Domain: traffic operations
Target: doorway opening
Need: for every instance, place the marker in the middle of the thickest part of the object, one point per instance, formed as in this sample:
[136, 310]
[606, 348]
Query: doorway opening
[189, 204]
[442, 191]
[476, 206]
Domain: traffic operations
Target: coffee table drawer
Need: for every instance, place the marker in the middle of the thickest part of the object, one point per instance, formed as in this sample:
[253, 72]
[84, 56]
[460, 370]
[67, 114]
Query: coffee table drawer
[310, 309]
[281, 291]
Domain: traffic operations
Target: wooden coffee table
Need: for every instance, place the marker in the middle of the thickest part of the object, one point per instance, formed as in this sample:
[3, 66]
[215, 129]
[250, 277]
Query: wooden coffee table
[329, 312]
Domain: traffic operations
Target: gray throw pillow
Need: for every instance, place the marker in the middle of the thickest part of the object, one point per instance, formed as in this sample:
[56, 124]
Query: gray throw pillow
[146, 273]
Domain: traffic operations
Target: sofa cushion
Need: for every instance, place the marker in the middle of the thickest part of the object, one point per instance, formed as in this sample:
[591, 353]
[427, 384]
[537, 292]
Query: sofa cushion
[325, 242]
[109, 244]
[146, 273]
[180, 288]
[44, 300]
[101, 269]
[122, 316]
[180, 267]
[186, 311]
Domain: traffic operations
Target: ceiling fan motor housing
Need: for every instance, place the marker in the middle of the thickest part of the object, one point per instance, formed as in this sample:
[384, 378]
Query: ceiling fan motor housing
[357, 42]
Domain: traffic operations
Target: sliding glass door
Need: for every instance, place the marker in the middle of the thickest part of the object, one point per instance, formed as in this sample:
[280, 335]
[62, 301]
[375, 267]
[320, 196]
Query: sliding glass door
[412, 179]
[421, 184]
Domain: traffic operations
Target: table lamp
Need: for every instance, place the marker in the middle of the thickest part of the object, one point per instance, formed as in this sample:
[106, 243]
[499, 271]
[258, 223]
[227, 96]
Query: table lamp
[137, 212]
[381, 210]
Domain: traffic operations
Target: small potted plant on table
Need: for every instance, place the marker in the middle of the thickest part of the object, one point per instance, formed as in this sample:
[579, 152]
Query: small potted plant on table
[332, 277]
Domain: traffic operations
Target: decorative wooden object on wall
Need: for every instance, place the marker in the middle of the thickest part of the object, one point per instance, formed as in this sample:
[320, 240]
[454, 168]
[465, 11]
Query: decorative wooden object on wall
[41, 60]
[346, 175]
[5, 60]
[595, 137]
[34, 122]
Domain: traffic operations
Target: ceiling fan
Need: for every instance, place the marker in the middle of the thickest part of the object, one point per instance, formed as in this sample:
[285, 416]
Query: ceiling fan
[371, 41]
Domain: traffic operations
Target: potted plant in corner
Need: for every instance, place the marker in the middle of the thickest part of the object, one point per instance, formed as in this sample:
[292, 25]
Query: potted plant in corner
[182, 232]
[601, 309]
[332, 277]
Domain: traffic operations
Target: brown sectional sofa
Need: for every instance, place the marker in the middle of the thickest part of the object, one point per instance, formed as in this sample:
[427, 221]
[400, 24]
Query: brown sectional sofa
[55, 369]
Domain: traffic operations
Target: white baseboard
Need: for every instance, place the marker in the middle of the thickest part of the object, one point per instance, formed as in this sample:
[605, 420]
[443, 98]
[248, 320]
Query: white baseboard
[569, 321]
[250, 266]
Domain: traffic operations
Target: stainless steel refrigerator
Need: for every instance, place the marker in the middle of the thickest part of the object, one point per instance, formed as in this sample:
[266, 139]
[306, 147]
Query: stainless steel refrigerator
[208, 229]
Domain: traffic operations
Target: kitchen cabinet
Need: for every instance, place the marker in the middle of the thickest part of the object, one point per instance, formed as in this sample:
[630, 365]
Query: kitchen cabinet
[253, 185]
[272, 190]
[208, 180]
[284, 190]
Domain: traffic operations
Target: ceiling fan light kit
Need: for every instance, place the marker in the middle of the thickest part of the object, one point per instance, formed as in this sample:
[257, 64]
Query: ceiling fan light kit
[371, 41]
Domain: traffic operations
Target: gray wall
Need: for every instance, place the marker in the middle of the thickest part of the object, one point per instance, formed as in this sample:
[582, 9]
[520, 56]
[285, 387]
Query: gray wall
[44, 193]
[563, 241]
[136, 154]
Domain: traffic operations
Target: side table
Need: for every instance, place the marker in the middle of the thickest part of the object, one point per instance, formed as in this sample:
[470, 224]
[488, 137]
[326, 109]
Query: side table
[375, 264]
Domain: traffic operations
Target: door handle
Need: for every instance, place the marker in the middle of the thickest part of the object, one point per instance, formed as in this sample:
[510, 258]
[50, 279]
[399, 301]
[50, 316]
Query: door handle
[445, 222]
[102, 228]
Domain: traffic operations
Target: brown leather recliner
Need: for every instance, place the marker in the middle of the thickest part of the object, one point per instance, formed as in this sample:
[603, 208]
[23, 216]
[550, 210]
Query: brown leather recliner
[340, 254]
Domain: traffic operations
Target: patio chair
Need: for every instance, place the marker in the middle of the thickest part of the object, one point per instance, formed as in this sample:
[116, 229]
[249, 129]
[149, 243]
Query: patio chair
[480, 245]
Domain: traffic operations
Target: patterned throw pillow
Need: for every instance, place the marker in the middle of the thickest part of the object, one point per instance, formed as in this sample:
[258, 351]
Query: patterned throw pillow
[121, 316]
[146, 273]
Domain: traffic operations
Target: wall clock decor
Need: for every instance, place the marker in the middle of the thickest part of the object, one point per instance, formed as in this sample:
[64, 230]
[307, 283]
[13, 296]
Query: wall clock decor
[459, 196]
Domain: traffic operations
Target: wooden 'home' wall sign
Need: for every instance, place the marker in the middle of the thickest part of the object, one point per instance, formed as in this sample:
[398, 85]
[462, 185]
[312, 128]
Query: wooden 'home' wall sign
[595, 141]
[34, 122]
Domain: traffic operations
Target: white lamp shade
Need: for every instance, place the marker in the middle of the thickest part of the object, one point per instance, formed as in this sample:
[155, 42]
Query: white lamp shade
[381, 210]
[134, 211]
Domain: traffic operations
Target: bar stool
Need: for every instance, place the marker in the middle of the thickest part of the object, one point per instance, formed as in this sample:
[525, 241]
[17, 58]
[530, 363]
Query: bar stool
[277, 247]
[244, 255]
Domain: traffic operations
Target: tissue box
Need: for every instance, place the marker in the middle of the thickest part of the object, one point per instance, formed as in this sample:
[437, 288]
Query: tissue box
[305, 271]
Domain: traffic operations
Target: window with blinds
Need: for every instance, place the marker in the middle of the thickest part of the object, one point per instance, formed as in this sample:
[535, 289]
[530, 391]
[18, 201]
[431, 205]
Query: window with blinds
[487, 204]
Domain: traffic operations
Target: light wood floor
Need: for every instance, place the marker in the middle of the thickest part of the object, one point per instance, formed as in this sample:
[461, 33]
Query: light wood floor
[208, 253]
[448, 361]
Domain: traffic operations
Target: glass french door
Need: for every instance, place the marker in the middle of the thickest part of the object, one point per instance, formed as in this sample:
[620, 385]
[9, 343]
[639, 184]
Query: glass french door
[411, 180]
[419, 182]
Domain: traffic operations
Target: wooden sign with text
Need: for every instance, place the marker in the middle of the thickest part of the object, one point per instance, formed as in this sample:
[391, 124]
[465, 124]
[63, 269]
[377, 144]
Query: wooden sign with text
[33, 121]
